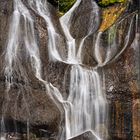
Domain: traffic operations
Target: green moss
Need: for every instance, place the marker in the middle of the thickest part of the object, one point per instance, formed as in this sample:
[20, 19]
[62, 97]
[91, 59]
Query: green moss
[111, 34]
[109, 2]
[65, 5]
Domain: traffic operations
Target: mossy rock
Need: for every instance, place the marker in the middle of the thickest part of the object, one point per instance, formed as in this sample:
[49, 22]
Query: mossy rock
[65, 5]
[105, 3]
[110, 15]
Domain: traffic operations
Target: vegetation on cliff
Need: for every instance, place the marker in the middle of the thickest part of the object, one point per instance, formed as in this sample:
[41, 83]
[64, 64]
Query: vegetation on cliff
[110, 15]
[65, 5]
[109, 2]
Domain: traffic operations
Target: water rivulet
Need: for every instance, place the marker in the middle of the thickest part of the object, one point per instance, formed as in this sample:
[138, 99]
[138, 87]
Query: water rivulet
[76, 43]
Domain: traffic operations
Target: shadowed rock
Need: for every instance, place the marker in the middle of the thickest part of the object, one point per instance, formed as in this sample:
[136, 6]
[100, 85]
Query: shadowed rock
[85, 136]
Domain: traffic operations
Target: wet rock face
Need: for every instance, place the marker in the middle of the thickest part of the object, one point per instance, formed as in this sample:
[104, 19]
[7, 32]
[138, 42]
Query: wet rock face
[28, 100]
[85, 136]
[123, 94]
[134, 5]
[6, 8]
[85, 19]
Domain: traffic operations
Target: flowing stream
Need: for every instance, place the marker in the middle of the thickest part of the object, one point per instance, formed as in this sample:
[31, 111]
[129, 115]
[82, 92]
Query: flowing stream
[86, 107]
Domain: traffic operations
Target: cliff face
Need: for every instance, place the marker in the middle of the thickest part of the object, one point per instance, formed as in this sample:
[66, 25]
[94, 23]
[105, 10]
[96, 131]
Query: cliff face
[123, 94]
[28, 101]
[122, 88]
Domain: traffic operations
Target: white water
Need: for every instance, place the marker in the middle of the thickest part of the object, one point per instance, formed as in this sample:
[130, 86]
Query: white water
[73, 56]
[87, 110]
[86, 105]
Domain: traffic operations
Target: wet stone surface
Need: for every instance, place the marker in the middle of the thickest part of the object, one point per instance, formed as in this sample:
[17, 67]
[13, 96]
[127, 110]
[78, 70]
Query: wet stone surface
[45, 116]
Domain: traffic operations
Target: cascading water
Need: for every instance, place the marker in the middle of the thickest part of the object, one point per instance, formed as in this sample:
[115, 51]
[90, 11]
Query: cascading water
[86, 106]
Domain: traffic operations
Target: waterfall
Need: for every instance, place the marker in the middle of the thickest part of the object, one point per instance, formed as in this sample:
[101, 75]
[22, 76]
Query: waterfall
[86, 105]
[87, 110]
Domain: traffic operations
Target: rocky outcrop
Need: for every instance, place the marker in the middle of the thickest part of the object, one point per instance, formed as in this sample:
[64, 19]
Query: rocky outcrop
[85, 19]
[123, 93]
[85, 136]
[28, 101]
